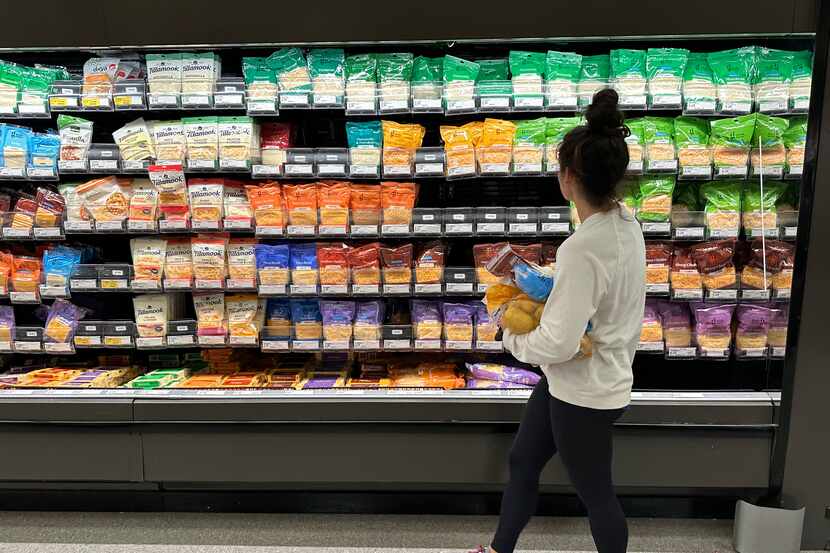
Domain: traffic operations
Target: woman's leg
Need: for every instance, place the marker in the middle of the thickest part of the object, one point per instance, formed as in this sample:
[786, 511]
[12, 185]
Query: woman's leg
[585, 442]
[532, 449]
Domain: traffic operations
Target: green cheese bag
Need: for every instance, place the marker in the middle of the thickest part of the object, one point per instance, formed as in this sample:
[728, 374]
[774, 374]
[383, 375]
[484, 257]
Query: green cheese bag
[691, 136]
[460, 82]
[528, 145]
[655, 198]
[593, 76]
[562, 75]
[730, 140]
[426, 69]
[427, 85]
[759, 210]
[664, 70]
[699, 92]
[628, 72]
[327, 69]
[555, 130]
[527, 69]
[769, 135]
[291, 69]
[628, 192]
[772, 79]
[494, 78]
[733, 74]
[635, 141]
[361, 82]
[658, 137]
[395, 67]
[722, 205]
[362, 67]
[364, 134]
[801, 79]
[795, 141]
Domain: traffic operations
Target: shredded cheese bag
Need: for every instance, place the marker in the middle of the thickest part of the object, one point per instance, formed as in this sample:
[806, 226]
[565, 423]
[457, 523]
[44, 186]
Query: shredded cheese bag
[301, 203]
[208, 257]
[206, 199]
[202, 138]
[459, 150]
[266, 204]
[144, 201]
[241, 258]
[235, 202]
[240, 312]
[164, 73]
[397, 264]
[172, 189]
[210, 314]
[398, 200]
[333, 201]
[178, 260]
[235, 135]
[169, 141]
[496, 144]
[25, 273]
[400, 142]
[364, 263]
[333, 261]
[148, 258]
[365, 204]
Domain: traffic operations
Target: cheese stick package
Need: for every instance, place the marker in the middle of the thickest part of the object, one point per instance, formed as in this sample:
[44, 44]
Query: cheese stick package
[178, 260]
[172, 190]
[206, 200]
[241, 313]
[267, 204]
[148, 256]
[272, 263]
[208, 257]
[210, 314]
[151, 314]
[134, 141]
[241, 259]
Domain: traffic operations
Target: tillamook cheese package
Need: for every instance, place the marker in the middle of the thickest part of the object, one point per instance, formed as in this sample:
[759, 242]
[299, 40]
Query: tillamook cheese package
[151, 312]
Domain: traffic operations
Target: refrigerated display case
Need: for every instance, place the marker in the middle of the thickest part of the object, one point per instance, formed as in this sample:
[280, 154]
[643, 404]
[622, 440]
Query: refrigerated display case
[334, 231]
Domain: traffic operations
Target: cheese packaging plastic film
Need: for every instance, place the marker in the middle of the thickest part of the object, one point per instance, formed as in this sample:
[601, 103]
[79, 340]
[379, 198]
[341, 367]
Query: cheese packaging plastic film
[527, 70]
[400, 142]
[593, 77]
[164, 73]
[698, 82]
[427, 320]
[210, 314]
[429, 264]
[242, 259]
[753, 326]
[397, 264]
[664, 70]
[202, 135]
[275, 139]
[759, 210]
[151, 314]
[172, 189]
[241, 313]
[206, 200]
[178, 260]
[365, 204]
[326, 67]
[267, 204]
[134, 141]
[795, 140]
[364, 264]
[307, 320]
[394, 75]
[368, 320]
[677, 324]
[62, 321]
[107, 198]
[652, 328]
[291, 70]
[99, 74]
[148, 258]
[208, 257]
[460, 77]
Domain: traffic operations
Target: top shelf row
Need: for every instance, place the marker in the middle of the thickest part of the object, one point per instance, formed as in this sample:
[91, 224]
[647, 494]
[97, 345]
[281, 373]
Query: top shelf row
[231, 94]
[731, 82]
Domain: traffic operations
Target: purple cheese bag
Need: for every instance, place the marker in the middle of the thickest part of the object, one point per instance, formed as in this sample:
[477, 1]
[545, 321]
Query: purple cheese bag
[7, 322]
[458, 313]
[651, 314]
[754, 319]
[337, 312]
[713, 319]
[369, 313]
[674, 315]
[425, 311]
[478, 384]
[503, 373]
[62, 321]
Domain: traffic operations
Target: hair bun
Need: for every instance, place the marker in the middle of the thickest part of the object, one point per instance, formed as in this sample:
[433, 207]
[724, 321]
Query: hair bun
[603, 117]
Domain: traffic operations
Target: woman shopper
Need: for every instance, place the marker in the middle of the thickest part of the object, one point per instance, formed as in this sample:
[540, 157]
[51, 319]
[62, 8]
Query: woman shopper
[600, 279]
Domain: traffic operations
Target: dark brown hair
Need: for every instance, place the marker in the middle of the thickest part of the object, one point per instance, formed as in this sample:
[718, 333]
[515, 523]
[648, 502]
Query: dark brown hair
[597, 151]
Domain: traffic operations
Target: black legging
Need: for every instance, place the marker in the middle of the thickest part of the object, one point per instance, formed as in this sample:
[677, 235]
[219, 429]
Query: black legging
[583, 437]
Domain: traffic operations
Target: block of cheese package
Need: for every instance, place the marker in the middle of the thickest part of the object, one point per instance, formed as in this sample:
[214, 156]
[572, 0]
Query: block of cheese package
[160, 378]
[61, 321]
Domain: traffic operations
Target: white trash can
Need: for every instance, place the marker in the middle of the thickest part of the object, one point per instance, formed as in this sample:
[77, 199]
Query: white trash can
[767, 529]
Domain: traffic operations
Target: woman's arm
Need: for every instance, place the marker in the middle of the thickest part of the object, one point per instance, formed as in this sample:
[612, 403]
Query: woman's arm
[579, 286]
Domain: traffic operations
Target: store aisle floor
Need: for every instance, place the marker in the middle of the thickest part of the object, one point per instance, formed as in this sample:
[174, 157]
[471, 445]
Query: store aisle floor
[25, 532]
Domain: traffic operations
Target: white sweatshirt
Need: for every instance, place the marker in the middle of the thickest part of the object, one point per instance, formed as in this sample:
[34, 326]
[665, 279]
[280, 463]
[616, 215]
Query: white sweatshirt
[600, 277]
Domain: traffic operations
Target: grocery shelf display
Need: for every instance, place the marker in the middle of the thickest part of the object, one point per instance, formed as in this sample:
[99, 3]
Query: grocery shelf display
[304, 234]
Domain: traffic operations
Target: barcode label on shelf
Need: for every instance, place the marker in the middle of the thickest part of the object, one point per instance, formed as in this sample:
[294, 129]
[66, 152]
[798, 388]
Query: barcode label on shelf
[767, 232]
[27, 346]
[689, 232]
[364, 170]
[305, 344]
[656, 228]
[177, 284]
[72, 165]
[776, 171]
[778, 351]
[523, 228]
[495, 168]
[681, 352]
[426, 228]
[331, 169]
[748, 294]
[657, 288]
[240, 284]
[329, 345]
[700, 105]
[428, 344]
[204, 225]
[145, 284]
[465, 104]
[366, 344]
[227, 99]
[698, 171]
[364, 230]
[396, 289]
[399, 170]
[242, 340]
[303, 289]
[265, 170]
[795, 170]
[394, 229]
[87, 341]
[490, 228]
[334, 289]
[141, 225]
[103, 164]
[364, 289]
[109, 225]
[272, 289]
[426, 103]
[48, 291]
[58, 347]
[203, 284]
[299, 169]
[723, 233]
[10, 232]
[83, 283]
[529, 102]
[556, 228]
[23, 297]
[721, 353]
[431, 169]
[459, 228]
[158, 341]
[722, 294]
[650, 346]
[458, 345]
[172, 224]
[731, 171]
[301, 230]
[633, 101]
[41, 172]
[790, 232]
[237, 224]
[212, 340]
[269, 231]
[433, 288]
[275, 345]
[489, 345]
[397, 344]
[459, 287]
[687, 293]
[772, 106]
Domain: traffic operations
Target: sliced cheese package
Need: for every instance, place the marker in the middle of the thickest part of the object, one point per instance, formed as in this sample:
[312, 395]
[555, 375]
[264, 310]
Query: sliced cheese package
[148, 258]
[151, 314]
[210, 314]
[172, 189]
[134, 141]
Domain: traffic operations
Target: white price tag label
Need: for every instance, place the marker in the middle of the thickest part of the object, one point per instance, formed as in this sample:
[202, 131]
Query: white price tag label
[204, 284]
[397, 344]
[748, 294]
[432, 288]
[364, 230]
[326, 100]
[275, 345]
[331, 169]
[783, 293]
[687, 293]
[269, 231]
[458, 345]
[689, 232]
[337, 345]
[240, 284]
[491, 103]
[204, 225]
[181, 340]
[133, 165]
[666, 100]
[744, 106]
[556, 228]
[696, 171]
[723, 233]
[489, 345]
[656, 228]
[190, 100]
[366, 344]
[662, 165]
[769, 232]
[459, 228]
[58, 347]
[265, 170]
[426, 228]
[24, 297]
[212, 340]
[722, 294]
[490, 228]
[428, 344]
[633, 101]
[303, 289]
[87, 341]
[243, 340]
[528, 102]
[10, 232]
[432, 168]
[682, 352]
[522, 228]
[365, 289]
[293, 100]
[364, 170]
[396, 289]
[332, 230]
[469, 104]
[227, 100]
[237, 224]
[72, 165]
[177, 284]
[241, 164]
[301, 230]
[790, 232]
[103, 164]
[795, 170]
[778, 351]
[657, 288]
[109, 225]
[201, 163]
[773, 106]
[754, 352]
[527, 168]
[83, 283]
[399, 170]
[650, 346]
[495, 168]
[334, 289]
[41, 172]
[27, 346]
[394, 104]
[562, 103]
[358, 105]
[163, 100]
[145, 284]
[305, 345]
[172, 225]
[459, 287]
[732, 171]
[262, 106]
[141, 225]
[394, 229]
[426, 104]
[48, 291]
[272, 289]
[122, 341]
